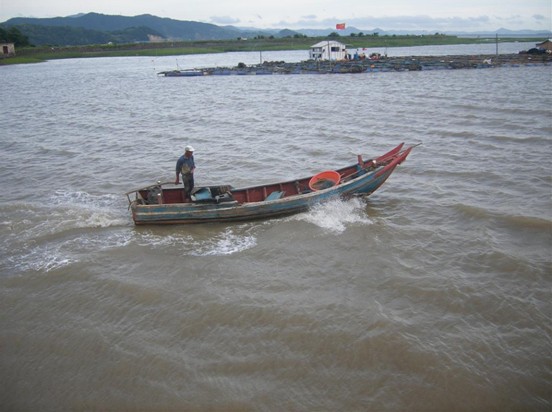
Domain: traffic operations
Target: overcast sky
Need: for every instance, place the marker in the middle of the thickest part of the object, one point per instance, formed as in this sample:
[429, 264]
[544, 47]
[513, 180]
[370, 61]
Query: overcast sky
[431, 15]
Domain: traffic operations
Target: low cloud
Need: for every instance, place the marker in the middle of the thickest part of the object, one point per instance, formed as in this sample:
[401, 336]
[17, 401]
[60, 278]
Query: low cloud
[224, 20]
[539, 17]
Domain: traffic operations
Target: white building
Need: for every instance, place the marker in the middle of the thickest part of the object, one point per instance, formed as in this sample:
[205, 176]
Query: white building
[328, 50]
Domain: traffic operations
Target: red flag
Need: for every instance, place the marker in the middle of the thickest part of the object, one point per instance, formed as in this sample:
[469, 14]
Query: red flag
[340, 26]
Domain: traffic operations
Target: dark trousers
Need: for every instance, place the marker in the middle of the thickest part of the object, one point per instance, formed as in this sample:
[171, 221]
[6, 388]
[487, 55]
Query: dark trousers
[188, 181]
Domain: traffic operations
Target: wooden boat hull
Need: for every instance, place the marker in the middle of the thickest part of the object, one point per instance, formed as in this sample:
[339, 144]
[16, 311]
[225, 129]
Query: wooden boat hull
[254, 202]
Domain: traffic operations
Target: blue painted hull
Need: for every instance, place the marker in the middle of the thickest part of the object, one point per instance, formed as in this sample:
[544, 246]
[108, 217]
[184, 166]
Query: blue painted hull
[361, 183]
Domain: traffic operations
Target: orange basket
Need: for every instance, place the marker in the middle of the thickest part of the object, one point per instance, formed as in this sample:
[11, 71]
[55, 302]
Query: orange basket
[324, 180]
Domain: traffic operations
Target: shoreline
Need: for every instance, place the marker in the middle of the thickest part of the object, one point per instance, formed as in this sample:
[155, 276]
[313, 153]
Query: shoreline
[41, 54]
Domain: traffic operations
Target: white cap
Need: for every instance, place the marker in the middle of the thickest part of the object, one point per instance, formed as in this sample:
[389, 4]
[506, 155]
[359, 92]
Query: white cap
[189, 149]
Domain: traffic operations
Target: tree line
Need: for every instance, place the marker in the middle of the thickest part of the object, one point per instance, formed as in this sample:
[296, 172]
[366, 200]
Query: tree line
[13, 35]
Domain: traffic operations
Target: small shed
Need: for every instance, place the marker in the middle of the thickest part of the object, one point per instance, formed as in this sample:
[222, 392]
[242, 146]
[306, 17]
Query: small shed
[328, 50]
[546, 45]
[7, 50]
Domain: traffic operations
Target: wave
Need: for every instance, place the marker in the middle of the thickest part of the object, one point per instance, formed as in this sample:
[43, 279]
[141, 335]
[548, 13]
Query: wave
[229, 241]
[41, 243]
[515, 221]
[63, 211]
[51, 253]
[226, 243]
[43, 258]
[52, 233]
[501, 139]
[82, 209]
[86, 200]
[336, 215]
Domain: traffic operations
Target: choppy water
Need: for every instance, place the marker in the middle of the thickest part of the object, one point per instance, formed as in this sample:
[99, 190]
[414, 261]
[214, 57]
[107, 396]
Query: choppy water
[432, 294]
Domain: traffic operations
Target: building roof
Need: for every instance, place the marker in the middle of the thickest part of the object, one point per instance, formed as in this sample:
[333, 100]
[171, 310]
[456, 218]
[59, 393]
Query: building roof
[326, 42]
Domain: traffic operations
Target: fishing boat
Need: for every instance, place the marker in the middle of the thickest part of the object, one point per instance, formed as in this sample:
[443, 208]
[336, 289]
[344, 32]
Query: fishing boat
[166, 203]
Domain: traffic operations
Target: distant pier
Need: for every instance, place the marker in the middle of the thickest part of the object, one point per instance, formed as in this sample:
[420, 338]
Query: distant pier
[382, 64]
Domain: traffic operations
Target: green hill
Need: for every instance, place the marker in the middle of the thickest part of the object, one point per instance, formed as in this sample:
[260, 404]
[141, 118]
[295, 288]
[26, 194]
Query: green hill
[94, 28]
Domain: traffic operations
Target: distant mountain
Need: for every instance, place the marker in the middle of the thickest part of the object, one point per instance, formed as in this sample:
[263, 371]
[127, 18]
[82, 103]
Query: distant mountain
[164, 27]
[95, 28]
[353, 30]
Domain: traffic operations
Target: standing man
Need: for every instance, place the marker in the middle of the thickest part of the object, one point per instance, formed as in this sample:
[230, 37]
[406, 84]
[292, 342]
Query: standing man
[186, 166]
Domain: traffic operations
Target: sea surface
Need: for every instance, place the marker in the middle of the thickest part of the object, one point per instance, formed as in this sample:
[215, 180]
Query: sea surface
[433, 294]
